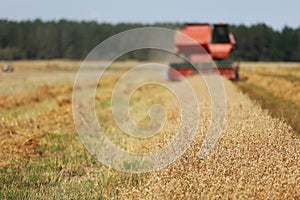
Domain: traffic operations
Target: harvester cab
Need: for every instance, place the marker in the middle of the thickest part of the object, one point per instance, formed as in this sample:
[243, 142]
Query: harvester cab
[216, 44]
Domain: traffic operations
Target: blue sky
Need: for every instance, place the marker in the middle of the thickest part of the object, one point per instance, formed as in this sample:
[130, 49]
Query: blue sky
[275, 13]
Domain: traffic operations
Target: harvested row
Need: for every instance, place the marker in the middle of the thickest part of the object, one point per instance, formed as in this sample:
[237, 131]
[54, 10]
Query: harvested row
[36, 96]
[42, 93]
[20, 138]
[276, 91]
[49, 109]
[256, 158]
[278, 86]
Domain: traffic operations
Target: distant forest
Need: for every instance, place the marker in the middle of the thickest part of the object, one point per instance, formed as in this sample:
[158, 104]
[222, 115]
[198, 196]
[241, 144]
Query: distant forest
[74, 40]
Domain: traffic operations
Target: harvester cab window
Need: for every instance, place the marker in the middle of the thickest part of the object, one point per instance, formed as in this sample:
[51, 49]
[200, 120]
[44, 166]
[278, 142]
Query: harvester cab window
[220, 34]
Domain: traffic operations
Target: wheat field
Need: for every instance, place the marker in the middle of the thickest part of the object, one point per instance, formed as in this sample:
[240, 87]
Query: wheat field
[41, 155]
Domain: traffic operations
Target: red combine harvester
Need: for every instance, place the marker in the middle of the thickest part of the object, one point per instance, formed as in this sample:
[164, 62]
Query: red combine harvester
[217, 43]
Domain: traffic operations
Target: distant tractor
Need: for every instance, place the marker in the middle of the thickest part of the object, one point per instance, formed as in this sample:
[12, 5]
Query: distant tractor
[215, 40]
[8, 68]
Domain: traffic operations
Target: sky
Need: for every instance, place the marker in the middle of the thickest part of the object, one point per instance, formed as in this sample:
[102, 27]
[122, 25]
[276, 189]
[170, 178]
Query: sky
[275, 13]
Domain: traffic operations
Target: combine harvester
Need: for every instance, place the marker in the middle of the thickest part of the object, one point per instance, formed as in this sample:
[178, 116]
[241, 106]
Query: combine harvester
[217, 43]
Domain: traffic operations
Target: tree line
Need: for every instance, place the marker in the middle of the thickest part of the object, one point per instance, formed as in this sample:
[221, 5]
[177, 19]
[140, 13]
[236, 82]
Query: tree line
[74, 40]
